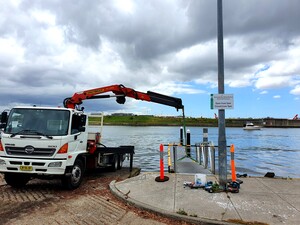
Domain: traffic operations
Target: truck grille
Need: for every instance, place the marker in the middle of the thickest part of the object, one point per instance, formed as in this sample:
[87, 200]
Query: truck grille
[21, 151]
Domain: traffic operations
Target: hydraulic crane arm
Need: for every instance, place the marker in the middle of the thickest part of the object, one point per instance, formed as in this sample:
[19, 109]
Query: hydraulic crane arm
[121, 92]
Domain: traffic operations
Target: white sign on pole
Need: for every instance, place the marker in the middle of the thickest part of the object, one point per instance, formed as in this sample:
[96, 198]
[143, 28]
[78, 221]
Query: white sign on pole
[221, 101]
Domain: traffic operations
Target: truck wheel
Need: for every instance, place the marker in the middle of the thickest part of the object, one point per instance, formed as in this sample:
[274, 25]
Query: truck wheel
[120, 162]
[16, 180]
[73, 180]
[114, 165]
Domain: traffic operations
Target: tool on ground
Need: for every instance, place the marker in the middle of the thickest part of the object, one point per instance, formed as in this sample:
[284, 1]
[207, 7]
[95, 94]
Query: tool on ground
[233, 187]
[213, 187]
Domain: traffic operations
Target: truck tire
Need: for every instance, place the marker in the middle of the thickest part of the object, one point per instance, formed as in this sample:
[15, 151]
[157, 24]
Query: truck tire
[16, 180]
[120, 162]
[114, 163]
[74, 178]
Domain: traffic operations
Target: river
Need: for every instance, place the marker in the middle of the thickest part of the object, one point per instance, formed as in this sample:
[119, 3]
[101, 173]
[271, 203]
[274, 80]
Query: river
[256, 152]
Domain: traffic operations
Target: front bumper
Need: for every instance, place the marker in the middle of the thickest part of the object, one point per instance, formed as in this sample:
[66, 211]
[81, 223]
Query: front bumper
[33, 166]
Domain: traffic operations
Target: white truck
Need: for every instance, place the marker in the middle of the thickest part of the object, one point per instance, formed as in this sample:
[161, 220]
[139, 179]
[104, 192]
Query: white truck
[39, 141]
[54, 141]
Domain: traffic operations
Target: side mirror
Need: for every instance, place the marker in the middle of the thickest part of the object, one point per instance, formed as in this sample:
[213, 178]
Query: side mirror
[4, 118]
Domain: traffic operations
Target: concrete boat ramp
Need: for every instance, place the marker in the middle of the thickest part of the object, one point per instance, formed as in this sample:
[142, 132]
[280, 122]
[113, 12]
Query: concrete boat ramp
[260, 200]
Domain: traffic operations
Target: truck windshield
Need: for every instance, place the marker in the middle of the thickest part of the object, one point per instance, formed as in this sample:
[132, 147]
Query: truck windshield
[48, 122]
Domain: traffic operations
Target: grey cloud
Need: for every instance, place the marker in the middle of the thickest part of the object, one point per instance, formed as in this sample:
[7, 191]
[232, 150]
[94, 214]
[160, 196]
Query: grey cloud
[155, 28]
[146, 41]
[276, 18]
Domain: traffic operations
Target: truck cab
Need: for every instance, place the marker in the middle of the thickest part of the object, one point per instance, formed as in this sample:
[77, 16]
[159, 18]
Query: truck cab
[43, 141]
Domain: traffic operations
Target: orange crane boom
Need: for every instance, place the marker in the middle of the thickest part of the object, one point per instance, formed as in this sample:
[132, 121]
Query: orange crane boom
[121, 92]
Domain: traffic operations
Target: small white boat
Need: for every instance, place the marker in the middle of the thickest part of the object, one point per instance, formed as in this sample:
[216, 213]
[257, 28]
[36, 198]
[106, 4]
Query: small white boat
[251, 126]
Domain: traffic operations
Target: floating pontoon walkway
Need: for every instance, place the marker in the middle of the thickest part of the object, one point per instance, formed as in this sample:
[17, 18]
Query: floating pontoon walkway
[184, 164]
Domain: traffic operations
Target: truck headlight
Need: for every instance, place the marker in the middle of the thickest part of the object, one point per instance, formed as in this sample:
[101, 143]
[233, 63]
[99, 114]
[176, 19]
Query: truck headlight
[55, 164]
[2, 162]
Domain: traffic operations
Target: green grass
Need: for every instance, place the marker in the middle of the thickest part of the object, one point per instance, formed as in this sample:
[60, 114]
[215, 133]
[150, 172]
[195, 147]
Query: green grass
[143, 120]
[182, 212]
[148, 120]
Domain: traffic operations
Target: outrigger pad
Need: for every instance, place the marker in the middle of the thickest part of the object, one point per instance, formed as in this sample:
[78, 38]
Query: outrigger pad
[157, 179]
[237, 180]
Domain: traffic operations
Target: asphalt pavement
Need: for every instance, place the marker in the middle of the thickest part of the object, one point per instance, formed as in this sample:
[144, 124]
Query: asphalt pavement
[260, 200]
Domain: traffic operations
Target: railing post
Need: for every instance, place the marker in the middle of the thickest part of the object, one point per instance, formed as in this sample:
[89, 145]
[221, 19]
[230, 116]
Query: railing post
[213, 159]
[198, 158]
[200, 154]
[175, 158]
[209, 156]
[205, 142]
[204, 156]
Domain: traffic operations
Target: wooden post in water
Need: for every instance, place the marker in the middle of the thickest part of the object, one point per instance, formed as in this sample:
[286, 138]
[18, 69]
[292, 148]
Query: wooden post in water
[188, 143]
[181, 135]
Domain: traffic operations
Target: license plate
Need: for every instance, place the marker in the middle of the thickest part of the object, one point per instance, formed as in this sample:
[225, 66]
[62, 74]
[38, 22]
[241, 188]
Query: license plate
[26, 168]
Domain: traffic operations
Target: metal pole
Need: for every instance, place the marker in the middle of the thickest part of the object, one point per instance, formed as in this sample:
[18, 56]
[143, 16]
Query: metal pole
[221, 121]
[184, 127]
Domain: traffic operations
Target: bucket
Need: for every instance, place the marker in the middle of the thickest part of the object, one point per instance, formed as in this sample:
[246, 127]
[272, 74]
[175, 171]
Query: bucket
[200, 179]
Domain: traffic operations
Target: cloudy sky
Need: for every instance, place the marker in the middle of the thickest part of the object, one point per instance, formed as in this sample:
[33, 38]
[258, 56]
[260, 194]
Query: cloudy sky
[50, 49]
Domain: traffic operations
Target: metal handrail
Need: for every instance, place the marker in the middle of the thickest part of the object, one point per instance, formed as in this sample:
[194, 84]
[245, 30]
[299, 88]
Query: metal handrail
[204, 155]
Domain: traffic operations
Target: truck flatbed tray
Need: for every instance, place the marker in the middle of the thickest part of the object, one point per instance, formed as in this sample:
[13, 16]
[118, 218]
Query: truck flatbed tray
[120, 149]
[124, 149]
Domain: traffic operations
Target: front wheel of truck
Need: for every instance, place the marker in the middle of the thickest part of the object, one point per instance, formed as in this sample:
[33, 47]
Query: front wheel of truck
[16, 180]
[73, 179]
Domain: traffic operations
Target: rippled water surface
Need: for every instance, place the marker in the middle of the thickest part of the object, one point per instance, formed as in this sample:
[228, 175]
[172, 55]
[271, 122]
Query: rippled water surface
[256, 152]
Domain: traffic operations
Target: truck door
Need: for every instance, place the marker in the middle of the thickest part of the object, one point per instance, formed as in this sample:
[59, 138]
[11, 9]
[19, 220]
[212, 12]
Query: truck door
[79, 136]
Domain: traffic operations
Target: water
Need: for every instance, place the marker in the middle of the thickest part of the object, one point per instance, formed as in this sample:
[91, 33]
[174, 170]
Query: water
[256, 152]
